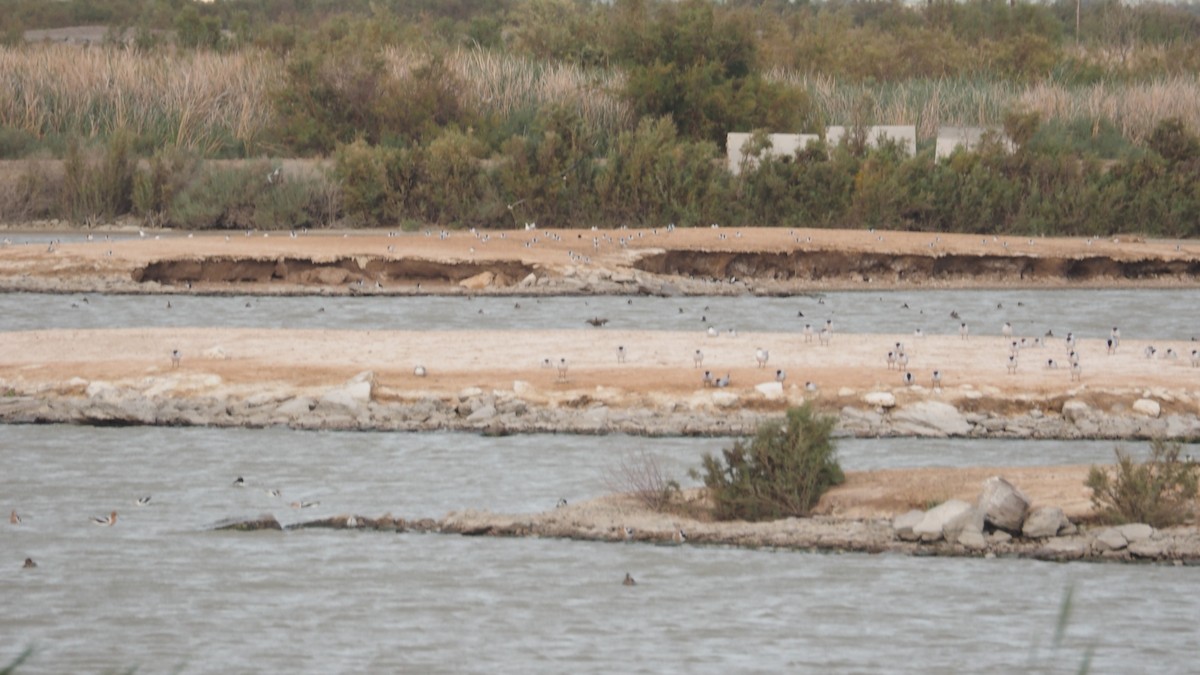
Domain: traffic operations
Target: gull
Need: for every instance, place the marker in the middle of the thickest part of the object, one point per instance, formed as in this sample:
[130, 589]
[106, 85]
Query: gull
[780, 375]
[722, 382]
[1112, 346]
[707, 378]
[629, 580]
[304, 505]
[698, 358]
[891, 360]
[142, 501]
[547, 363]
[621, 354]
[108, 522]
[597, 321]
[712, 331]
[901, 360]
[918, 333]
[1073, 357]
[176, 357]
[808, 332]
[1149, 351]
[29, 563]
[1006, 330]
[562, 370]
[937, 380]
[761, 356]
[562, 502]
[419, 371]
[273, 493]
[1051, 364]
[679, 536]
[909, 380]
[1195, 358]
[825, 336]
[810, 386]
[351, 521]
[1076, 372]
[962, 331]
[1170, 354]
[1012, 364]
[239, 482]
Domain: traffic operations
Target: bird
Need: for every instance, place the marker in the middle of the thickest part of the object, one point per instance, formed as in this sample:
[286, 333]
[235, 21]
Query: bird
[29, 564]
[109, 521]
[963, 330]
[1149, 351]
[176, 357]
[273, 493]
[1012, 364]
[760, 356]
[419, 371]
[621, 354]
[780, 375]
[273, 177]
[1112, 346]
[810, 386]
[825, 336]
[562, 370]
[1076, 371]
[1006, 330]
[629, 580]
[808, 332]
[1170, 354]
[1051, 364]
[937, 380]
[351, 521]
[712, 331]
[707, 378]
[304, 505]
[698, 358]
[1195, 358]
[891, 360]
[909, 379]
[679, 536]
[722, 382]
[547, 363]
[597, 321]
[14, 518]
[562, 502]
[918, 333]
[142, 501]
[239, 482]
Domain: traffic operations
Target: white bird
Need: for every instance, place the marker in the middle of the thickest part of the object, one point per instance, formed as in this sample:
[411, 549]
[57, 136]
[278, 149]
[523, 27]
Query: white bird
[621, 354]
[760, 356]
[109, 521]
[825, 336]
[698, 358]
[679, 536]
[562, 369]
[937, 380]
[142, 501]
[909, 380]
[176, 358]
[707, 378]
[419, 371]
[351, 521]
[1195, 358]
[547, 363]
[304, 505]
[918, 333]
[1012, 364]
[901, 360]
[810, 386]
[1076, 371]
[1007, 329]
[1111, 345]
[891, 360]
[780, 375]
[1170, 354]
[712, 331]
[962, 331]
[1051, 364]
[722, 382]
[808, 332]
[1149, 351]
[239, 482]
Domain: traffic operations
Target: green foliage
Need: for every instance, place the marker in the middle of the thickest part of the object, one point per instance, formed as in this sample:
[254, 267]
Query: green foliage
[241, 197]
[155, 187]
[1160, 492]
[781, 473]
[98, 188]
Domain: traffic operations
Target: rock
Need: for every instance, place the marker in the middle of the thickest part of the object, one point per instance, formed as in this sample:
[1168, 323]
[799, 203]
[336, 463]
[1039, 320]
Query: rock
[880, 399]
[770, 390]
[529, 280]
[1134, 532]
[1044, 522]
[1063, 549]
[1075, 410]
[264, 522]
[1110, 539]
[297, 407]
[724, 399]
[478, 282]
[902, 525]
[1149, 549]
[1147, 407]
[930, 418]
[1000, 537]
[968, 521]
[482, 414]
[930, 527]
[972, 540]
[1003, 505]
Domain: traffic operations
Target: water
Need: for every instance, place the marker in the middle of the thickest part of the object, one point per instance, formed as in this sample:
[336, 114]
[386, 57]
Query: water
[160, 592]
[1140, 313]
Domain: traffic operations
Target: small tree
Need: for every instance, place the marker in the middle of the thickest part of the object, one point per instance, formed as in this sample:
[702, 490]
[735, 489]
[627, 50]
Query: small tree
[641, 475]
[1159, 492]
[781, 472]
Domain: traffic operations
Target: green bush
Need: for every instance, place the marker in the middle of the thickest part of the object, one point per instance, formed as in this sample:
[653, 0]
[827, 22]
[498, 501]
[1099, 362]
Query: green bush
[780, 473]
[1160, 491]
[220, 198]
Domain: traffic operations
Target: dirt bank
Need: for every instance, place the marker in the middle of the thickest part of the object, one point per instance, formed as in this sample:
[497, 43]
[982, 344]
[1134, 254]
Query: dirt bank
[702, 261]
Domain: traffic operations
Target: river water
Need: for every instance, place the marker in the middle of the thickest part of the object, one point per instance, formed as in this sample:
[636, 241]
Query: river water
[160, 592]
[1140, 313]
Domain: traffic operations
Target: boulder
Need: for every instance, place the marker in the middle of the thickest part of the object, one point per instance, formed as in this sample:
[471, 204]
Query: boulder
[297, 407]
[1149, 549]
[972, 540]
[880, 399]
[264, 522]
[1110, 539]
[1147, 407]
[483, 413]
[1134, 532]
[1061, 548]
[1044, 522]
[930, 418]
[1003, 505]
[1075, 410]
[478, 282]
[724, 399]
[967, 522]
[930, 527]
[902, 525]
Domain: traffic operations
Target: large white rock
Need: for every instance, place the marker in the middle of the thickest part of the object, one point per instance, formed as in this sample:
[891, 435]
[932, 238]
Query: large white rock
[1110, 539]
[1003, 505]
[930, 527]
[1075, 410]
[880, 399]
[770, 390]
[930, 418]
[1135, 531]
[969, 521]
[1147, 407]
[724, 399]
[478, 282]
[903, 524]
[1044, 522]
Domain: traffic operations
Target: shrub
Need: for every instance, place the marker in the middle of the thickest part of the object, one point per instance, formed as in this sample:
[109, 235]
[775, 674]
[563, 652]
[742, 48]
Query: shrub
[782, 472]
[1160, 491]
[222, 198]
[641, 475]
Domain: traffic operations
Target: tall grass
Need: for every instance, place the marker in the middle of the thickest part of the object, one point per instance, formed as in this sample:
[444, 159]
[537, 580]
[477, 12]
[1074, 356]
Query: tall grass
[203, 102]
[513, 86]
[1134, 108]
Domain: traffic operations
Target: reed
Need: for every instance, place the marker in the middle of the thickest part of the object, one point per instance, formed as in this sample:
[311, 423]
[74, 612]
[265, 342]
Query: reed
[203, 102]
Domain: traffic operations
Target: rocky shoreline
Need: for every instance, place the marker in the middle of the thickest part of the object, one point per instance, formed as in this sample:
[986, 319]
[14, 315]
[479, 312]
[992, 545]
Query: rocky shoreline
[361, 404]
